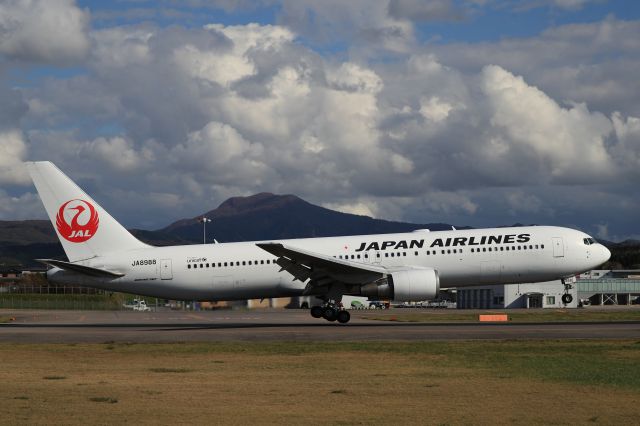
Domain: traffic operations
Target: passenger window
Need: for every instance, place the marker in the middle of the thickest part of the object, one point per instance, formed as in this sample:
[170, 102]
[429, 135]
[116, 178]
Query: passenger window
[442, 252]
[366, 256]
[378, 255]
[460, 250]
[404, 254]
[415, 253]
[484, 249]
[358, 256]
[189, 266]
[386, 255]
[542, 246]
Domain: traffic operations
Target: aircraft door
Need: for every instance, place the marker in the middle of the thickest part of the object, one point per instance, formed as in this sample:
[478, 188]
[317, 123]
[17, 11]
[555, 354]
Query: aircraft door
[375, 256]
[165, 269]
[558, 247]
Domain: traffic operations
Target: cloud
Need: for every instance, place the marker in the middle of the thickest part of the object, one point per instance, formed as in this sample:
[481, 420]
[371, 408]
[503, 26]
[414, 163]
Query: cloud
[13, 151]
[538, 128]
[359, 208]
[50, 31]
[117, 152]
[184, 117]
[435, 10]
[592, 63]
[21, 207]
[368, 24]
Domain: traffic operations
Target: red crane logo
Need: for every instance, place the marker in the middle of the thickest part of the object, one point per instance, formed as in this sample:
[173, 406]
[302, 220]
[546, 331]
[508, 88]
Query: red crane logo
[84, 222]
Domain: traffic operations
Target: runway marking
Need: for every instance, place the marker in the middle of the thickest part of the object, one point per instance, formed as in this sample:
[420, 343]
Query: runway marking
[198, 317]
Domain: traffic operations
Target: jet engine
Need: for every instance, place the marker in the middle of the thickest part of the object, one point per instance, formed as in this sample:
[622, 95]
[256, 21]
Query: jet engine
[405, 285]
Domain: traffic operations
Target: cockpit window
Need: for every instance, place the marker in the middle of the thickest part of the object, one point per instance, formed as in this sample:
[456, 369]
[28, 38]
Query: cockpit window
[589, 241]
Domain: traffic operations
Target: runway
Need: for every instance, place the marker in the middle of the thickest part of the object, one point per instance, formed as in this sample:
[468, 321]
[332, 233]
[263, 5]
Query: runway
[271, 325]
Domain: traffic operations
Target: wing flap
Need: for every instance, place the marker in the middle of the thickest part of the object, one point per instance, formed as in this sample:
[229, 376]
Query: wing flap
[81, 269]
[320, 268]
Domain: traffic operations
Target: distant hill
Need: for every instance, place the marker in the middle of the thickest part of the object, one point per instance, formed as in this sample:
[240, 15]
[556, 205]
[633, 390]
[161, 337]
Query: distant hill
[267, 216]
[25, 232]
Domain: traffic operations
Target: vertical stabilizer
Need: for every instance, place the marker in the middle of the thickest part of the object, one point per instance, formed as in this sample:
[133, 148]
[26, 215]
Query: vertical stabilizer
[84, 228]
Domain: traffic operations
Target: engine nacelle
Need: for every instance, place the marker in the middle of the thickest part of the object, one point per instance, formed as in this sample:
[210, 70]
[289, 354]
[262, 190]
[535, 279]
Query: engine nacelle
[405, 285]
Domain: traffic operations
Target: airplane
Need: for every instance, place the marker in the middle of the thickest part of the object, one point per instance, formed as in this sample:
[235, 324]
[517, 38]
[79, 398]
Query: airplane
[411, 266]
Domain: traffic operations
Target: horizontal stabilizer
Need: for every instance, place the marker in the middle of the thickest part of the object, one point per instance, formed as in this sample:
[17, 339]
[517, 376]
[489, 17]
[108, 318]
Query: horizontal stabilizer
[81, 269]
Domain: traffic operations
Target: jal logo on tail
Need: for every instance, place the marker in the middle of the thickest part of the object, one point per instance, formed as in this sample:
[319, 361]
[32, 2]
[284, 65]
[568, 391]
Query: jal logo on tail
[77, 221]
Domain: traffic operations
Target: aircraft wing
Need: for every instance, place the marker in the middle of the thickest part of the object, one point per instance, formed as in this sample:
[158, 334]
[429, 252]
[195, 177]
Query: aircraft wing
[321, 269]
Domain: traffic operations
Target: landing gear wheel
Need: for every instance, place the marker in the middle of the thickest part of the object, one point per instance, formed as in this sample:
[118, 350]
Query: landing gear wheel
[344, 317]
[316, 311]
[330, 314]
[567, 298]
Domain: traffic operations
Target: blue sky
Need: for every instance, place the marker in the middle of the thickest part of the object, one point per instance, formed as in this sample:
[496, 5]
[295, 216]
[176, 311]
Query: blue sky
[471, 112]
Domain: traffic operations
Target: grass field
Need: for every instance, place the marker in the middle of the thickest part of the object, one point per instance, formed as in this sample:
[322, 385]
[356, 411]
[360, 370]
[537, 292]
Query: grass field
[61, 301]
[512, 382]
[4, 319]
[522, 316]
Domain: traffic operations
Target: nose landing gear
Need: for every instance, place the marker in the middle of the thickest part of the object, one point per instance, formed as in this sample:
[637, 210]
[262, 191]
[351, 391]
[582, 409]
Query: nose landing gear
[331, 312]
[566, 297]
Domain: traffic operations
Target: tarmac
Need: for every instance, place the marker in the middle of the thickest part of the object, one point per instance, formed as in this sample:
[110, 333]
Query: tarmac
[41, 326]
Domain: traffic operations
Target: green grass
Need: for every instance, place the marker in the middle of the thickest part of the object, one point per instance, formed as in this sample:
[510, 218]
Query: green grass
[546, 315]
[4, 319]
[60, 301]
[608, 363]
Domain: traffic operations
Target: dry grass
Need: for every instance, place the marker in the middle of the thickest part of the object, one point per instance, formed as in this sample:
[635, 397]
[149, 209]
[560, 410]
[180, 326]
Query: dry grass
[359, 383]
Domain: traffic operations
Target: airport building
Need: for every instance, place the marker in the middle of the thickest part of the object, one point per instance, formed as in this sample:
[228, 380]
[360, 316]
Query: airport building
[598, 287]
[610, 287]
[526, 295]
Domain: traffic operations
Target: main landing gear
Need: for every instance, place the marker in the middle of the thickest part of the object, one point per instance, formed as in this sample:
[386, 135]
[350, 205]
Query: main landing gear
[331, 312]
[566, 297]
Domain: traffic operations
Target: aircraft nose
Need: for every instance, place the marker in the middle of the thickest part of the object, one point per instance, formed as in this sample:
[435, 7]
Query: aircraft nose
[606, 254]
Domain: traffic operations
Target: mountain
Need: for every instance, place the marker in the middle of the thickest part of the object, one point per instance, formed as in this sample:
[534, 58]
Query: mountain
[25, 232]
[267, 216]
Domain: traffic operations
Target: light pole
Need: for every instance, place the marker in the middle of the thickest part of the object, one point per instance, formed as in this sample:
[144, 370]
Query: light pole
[204, 221]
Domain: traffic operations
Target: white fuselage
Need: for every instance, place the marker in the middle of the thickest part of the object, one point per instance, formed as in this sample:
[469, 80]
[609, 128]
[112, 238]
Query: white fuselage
[231, 271]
